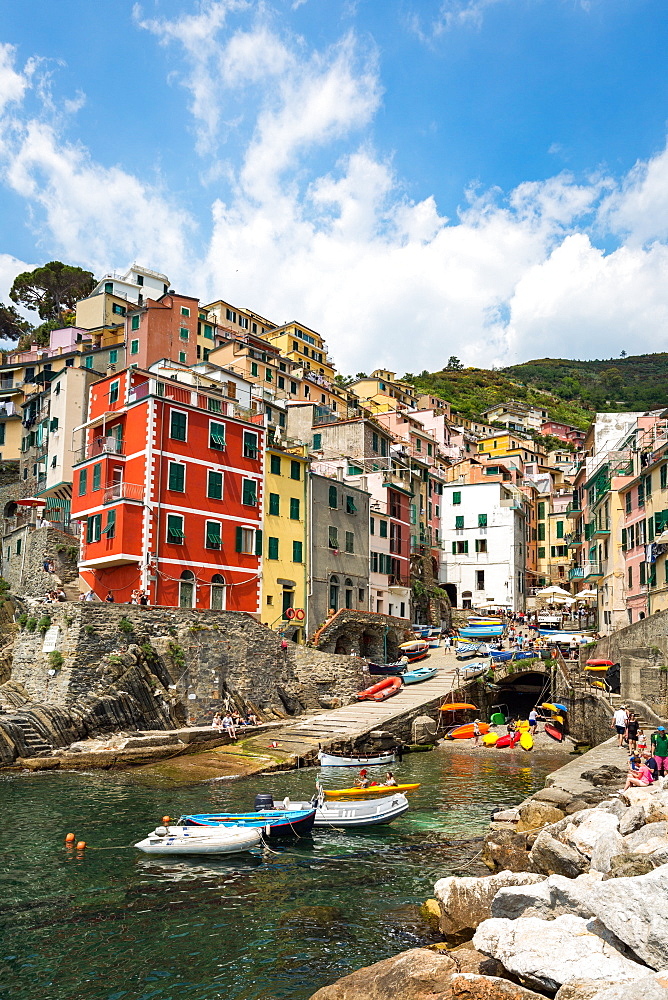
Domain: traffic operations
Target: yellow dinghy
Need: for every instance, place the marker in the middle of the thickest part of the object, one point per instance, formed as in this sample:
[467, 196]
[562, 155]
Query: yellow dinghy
[526, 741]
[371, 792]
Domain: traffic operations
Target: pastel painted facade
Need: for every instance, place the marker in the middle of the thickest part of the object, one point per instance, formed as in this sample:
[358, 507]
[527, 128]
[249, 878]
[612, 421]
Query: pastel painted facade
[286, 510]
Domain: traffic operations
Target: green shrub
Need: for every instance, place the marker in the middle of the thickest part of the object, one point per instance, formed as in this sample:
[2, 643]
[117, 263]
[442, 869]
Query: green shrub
[89, 629]
[125, 626]
[148, 651]
[21, 621]
[56, 659]
[177, 654]
[115, 660]
[31, 624]
[44, 624]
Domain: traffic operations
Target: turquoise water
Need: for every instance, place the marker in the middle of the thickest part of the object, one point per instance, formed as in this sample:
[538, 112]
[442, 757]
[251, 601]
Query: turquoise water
[114, 924]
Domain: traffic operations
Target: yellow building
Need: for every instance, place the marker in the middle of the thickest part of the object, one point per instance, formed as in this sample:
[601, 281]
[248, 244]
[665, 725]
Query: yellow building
[303, 346]
[505, 445]
[382, 391]
[284, 569]
[553, 540]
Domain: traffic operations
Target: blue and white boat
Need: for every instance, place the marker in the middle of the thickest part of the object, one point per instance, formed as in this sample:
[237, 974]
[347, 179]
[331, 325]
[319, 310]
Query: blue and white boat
[272, 823]
[419, 674]
[514, 654]
[468, 650]
[482, 632]
[473, 671]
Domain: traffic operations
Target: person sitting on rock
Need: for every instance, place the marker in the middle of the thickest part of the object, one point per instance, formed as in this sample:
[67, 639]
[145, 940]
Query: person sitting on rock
[217, 721]
[251, 718]
[639, 778]
[229, 727]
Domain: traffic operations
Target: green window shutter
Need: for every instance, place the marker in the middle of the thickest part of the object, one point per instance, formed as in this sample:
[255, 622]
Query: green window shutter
[560, 529]
[541, 510]
[239, 544]
[664, 479]
[83, 482]
[459, 521]
[213, 535]
[134, 347]
[648, 484]
[135, 323]
[97, 476]
[250, 444]
[249, 493]
[333, 497]
[350, 541]
[110, 529]
[275, 465]
[383, 529]
[643, 573]
[317, 442]
[466, 548]
[272, 548]
[650, 529]
[553, 551]
[254, 368]
[183, 333]
[333, 537]
[175, 533]
[477, 545]
[541, 532]
[624, 539]
[177, 425]
[274, 504]
[482, 520]
[258, 542]
[297, 553]
[113, 391]
[294, 508]
[295, 470]
[215, 485]
[113, 357]
[541, 553]
[177, 477]
[350, 505]
[454, 548]
[216, 435]
[456, 498]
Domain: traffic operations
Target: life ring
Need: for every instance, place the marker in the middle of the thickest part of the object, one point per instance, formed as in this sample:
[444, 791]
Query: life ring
[300, 614]
[289, 613]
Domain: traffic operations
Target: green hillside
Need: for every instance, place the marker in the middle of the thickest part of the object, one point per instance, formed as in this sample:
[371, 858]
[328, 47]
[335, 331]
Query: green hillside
[571, 391]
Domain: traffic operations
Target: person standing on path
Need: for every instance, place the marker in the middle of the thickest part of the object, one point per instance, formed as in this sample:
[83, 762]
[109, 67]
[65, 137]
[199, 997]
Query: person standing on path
[618, 722]
[659, 745]
[476, 732]
[533, 721]
[632, 732]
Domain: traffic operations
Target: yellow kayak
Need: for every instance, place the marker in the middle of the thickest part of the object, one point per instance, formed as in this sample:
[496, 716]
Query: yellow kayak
[558, 718]
[367, 793]
[489, 739]
[549, 706]
[523, 726]
[526, 741]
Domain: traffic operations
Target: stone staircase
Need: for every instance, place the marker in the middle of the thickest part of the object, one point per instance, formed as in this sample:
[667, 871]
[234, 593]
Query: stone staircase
[34, 742]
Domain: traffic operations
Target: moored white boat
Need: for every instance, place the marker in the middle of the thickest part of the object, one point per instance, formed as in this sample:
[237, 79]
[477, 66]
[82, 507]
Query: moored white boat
[357, 813]
[200, 840]
[357, 760]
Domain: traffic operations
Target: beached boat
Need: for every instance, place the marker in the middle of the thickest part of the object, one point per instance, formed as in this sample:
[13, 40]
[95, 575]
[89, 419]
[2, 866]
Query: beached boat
[359, 813]
[274, 823]
[419, 674]
[373, 791]
[200, 840]
[502, 655]
[526, 741]
[458, 706]
[379, 692]
[484, 632]
[355, 760]
[554, 731]
[468, 650]
[414, 648]
[474, 670]
[466, 732]
[598, 666]
[509, 740]
[387, 669]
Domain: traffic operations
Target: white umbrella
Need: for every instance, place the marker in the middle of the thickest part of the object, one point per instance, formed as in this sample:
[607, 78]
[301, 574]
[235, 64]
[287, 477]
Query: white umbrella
[587, 595]
[546, 591]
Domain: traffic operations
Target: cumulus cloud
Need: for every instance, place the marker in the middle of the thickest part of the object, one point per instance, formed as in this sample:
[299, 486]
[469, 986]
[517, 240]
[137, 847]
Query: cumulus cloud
[316, 225]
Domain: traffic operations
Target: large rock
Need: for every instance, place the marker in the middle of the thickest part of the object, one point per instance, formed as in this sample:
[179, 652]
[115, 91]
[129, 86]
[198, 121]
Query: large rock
[535, 814]
[467, 986]
[657, 808]
[413, 975]
[546, 900]
[546, 954]
[630, 865]
[587, 831]
[632, 820]
[587, 839]
[466, 902]
[648, 832]
[505, 850]
[654, 987]
[551, 856]
[557, 796]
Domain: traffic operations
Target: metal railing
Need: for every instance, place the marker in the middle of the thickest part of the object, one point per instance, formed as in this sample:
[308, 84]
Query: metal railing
[576, 573]
[124, 491]
[99, 446]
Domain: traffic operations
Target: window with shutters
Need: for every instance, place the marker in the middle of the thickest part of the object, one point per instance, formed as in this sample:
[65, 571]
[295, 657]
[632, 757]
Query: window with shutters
[480, 579]
[94, 528]
[317, 442]
[110, 528]
[482, 520]
[97, 477]
[175, 532]
[83, 482]
[630, 577]
[295, 470]
[272, 548]
[628, 502]
[333, 537]
[178, 425]
[294, 509]
[275, 465]
[177, 477]
[460, 548]
[333, 497]
[134, 349]
[113, 391]
[248, 541]
[541, 532]
[213, 532]
[650, 529]
[541, 510]
[297, 552]
[624, 539]
[216, 435]
[183, 333]
[374, 442]
[663, 474]
[350, 541]
[350, 505]
[459, 521]
[382, 526]
[214, 405]
[456, 498]
[214, 485]
[249, 493]
[481, 545]
[541, 553]
[648, 484]
[134, 324]
[560, 529]
[250, 444]
[274, 504]
[643, 573]
[254, 368]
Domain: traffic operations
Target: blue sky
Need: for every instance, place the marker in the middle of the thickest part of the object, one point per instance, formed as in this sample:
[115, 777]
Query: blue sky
[486, 178]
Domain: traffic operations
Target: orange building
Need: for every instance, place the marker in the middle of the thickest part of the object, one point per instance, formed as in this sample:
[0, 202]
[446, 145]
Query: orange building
[163, 328]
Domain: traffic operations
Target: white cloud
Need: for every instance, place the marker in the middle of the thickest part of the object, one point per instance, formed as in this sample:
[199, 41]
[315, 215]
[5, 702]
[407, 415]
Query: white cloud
[13, 84]
[318, 226]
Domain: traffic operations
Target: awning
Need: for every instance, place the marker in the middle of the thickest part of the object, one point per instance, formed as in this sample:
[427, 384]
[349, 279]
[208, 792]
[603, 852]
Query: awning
[30, 502]
[57, 503]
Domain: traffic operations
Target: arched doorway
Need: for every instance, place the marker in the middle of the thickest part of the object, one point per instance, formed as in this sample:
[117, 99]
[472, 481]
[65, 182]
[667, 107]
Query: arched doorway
[334, 593]
[451, 591]
[187, 589]
[217, 592]
[467, 598]
[349, 592]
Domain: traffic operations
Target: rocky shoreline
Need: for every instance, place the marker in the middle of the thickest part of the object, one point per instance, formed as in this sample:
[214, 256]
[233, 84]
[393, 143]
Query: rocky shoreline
[574, 906]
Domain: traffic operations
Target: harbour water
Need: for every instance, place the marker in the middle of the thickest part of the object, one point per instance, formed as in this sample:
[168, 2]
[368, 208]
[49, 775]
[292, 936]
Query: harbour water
[113, 924]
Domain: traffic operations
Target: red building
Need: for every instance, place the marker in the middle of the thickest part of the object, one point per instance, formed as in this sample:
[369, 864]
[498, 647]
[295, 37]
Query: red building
[169, 489]
[163, 328]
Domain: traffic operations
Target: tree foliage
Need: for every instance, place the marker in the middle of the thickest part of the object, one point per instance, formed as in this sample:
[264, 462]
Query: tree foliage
[52, 290]
[12, 324]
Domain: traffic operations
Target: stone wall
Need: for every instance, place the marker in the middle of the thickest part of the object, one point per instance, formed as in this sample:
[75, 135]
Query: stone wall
[365, 633]
[24, 570]
[641, 650]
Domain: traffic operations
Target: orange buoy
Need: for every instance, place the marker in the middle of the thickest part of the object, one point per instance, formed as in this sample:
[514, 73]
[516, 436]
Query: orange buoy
[166, 820]
[81, 845]
[69, 838]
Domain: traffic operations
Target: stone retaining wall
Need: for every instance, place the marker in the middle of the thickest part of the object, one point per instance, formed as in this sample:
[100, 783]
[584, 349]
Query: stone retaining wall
[641, 650]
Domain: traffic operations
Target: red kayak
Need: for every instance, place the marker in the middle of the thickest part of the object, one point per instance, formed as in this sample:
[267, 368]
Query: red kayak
[379, 692]
[599, 663]
[554, 732]
[509, 740]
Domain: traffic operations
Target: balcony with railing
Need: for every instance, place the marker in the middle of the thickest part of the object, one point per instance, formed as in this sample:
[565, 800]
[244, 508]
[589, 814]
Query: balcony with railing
[591, 570]
[398, 581]
[574, 508]
[124, 491]
[573, 539]
[99, 446]
[602, 526]
[400, 478]
[576, 573]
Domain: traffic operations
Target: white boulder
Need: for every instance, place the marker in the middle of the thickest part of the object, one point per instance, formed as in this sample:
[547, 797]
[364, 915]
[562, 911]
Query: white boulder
[466, 902]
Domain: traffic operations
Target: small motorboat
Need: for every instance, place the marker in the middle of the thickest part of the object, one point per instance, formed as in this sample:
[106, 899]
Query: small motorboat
[419, 674]
[275, 823]
[368, 812]
[466, 732]
[355, 760]
[554, 731]
[475, 670]
[200, 840]
[415, 647]
[387, 669]
[483, 632]
[469, 650]
[372, 791]
[379, 692]
[434, 643]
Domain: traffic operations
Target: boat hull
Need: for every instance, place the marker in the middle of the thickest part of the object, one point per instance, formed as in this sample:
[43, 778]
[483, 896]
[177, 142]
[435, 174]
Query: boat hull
[554, 732]
[419, 675]
[487, 632]
[414, 648]
[355, 760]
[195, 840]
[379, 692]
[355, 815]
[466, 732]
[526, 741]
[387, 669]
[274, 824]
[373, 791]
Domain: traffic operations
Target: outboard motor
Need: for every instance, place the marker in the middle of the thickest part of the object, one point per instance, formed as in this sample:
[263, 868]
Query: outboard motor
[264, 800]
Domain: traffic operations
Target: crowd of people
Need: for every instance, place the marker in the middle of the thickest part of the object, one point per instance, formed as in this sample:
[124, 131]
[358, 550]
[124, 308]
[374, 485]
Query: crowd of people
[645, 764]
